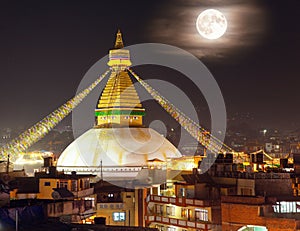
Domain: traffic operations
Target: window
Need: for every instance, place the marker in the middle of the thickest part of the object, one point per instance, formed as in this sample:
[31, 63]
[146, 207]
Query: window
[86, 183]
[170, 210]
[159, 227]
[171, 229]
[201, 215]
[159, 209]
[246, 191]
[74, 185]
[126, 117]
[287, 207]
[119, 216]
[47, 183]
[63, 184]
[135, 117]
[110, 195]
[182, 192]
[184, 213]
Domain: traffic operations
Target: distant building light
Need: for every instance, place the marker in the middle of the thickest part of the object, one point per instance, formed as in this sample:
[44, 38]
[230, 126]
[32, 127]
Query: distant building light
[119, 216]
[110, 195]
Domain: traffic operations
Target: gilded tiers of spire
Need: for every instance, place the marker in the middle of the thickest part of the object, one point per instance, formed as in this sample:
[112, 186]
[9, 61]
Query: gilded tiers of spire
[119, 93]
[119, 104]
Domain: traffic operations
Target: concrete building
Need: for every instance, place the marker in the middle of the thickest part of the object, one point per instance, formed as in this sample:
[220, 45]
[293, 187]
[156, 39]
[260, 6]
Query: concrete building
[69, 197]
[119, 206]
[259, 213]
[185, 210]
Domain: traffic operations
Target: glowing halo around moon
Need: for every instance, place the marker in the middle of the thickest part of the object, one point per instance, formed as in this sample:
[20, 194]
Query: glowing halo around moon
[211, 24]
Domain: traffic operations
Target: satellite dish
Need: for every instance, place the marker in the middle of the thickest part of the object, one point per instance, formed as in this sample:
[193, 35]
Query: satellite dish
[55, 195]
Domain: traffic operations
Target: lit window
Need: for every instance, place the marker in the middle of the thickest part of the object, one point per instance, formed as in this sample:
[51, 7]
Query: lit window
[171, 229]
[126, 117]
[119, 216]
[135, 117]
[286, 207]
[170, 210]
[110, 195]
[184, 213]
[201, 214]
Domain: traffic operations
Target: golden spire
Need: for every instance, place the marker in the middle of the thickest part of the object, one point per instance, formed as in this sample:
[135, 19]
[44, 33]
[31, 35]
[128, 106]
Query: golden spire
[119, 103]
[119, 41]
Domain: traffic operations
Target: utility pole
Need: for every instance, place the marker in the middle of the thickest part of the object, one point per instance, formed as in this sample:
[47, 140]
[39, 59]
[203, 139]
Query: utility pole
[7, 165]
[17, 220]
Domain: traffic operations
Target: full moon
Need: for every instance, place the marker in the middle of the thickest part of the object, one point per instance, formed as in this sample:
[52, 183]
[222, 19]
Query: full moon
[211, 24]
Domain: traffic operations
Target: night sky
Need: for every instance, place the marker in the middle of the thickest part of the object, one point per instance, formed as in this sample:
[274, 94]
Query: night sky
[47, 47]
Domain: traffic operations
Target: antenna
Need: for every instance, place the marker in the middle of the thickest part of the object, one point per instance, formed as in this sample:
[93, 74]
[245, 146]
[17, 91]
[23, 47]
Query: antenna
[101, 170]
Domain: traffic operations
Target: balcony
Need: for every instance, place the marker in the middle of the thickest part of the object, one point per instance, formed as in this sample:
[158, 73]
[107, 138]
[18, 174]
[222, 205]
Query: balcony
[180, 201]
[83, 193]
[178, 222]
[62, 208]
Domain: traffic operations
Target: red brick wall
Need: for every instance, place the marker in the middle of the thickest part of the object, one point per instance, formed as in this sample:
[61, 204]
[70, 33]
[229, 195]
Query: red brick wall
[235, 216]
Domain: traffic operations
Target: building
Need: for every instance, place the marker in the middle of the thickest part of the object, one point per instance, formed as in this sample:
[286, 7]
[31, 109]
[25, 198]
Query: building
[184, 209]
[116, 204]
[260, 213]
[69, 197]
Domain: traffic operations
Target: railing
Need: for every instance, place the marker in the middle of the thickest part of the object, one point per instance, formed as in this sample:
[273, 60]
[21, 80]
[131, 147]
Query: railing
[178, 222]
[61, 208]
[254, 175]
[98, 169]
[110, 205]
[180, 201]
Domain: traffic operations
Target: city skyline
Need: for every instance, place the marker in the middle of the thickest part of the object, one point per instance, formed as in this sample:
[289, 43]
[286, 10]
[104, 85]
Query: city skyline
[154, 115]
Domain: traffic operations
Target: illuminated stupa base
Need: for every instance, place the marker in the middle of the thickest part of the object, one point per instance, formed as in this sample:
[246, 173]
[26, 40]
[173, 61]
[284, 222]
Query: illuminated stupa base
[116, 148]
